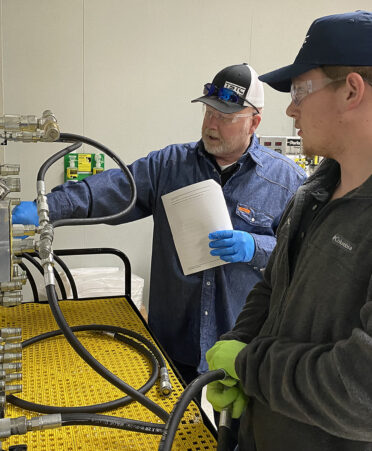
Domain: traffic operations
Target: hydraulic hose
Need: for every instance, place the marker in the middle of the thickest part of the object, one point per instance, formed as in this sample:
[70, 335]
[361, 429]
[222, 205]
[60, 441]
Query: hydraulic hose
[51, 160]
[71, 419]
[225, 440]
[46, 253]
[69, 137]
[31, 279]
[103, 407]
[93, 363]
[21, 425]
[32, 260]
[71, 280]
[30, 257]
[181, 405]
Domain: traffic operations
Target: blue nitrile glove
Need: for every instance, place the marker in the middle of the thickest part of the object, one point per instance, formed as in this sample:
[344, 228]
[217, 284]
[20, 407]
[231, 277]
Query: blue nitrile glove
[25, 213]
[220, 397]
[232, 245]
[222, 356]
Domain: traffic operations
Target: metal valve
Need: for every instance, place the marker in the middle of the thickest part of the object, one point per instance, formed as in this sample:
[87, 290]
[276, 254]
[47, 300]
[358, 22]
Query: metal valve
[29, 128]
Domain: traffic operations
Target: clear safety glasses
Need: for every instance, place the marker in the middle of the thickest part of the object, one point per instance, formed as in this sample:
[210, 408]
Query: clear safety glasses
[226, 94]
[232, 118]
[301, 89]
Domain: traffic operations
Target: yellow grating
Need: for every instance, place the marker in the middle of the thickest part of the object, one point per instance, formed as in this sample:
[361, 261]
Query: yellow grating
[54, 374]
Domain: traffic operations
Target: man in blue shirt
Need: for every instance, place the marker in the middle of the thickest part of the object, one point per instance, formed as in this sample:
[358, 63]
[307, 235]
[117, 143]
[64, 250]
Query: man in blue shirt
[188, 313]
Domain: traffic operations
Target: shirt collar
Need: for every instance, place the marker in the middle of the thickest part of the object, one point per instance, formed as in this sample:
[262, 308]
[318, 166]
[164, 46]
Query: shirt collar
[254, 152]
[323, 182]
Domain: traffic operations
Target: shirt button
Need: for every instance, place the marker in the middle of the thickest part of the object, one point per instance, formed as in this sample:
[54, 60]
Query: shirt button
[208, 283]
[302, 234]
[206, 313]
[252, 219]
[315, 207]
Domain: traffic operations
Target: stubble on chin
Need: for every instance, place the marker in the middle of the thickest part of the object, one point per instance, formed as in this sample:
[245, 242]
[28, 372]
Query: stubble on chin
[311, 152]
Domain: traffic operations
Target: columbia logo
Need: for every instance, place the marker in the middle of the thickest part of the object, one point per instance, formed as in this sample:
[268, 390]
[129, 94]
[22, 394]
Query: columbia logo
[341, 242]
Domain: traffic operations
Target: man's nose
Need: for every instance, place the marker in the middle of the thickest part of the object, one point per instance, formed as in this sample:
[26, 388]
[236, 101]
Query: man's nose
[211, 120]
[291, 109]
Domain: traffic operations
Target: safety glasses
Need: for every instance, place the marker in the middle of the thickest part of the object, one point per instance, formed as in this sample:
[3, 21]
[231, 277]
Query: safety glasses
[226, 94]
[301, 89]
[232, 118]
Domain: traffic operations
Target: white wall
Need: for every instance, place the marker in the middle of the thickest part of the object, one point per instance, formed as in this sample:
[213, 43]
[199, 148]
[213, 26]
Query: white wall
[124, 71]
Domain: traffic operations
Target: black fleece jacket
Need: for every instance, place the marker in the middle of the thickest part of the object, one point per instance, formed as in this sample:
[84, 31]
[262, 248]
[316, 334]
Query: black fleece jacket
[307, 367]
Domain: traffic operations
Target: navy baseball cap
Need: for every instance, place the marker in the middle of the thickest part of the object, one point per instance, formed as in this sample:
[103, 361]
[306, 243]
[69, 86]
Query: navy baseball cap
[337, 40]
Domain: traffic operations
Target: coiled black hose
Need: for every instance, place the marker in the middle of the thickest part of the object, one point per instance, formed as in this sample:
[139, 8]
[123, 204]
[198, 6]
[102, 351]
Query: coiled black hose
[93, 363]
[103, 407]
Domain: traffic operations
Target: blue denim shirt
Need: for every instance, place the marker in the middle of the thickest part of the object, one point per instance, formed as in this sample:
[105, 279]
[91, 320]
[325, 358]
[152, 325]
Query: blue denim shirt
[189, 313]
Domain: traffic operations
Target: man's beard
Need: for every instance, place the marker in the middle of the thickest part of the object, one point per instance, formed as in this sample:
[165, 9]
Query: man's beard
[226, 148]
[216, 150]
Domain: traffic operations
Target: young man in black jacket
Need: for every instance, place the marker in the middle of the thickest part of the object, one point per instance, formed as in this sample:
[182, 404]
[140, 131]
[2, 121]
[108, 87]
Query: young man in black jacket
[299, 357]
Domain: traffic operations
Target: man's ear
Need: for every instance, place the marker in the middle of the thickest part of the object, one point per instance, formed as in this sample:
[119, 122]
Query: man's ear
[354, 90]
[255, 123]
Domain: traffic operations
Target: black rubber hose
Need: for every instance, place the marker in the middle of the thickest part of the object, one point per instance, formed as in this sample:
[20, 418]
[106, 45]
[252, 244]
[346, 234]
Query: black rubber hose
[93, 363]
[69, 137]
[31, 279]
[69, 276]
[31, 259]
[225, 441]
[106, 421]
[102, 407]
[107, 328]
[46, 165]
[181, 405]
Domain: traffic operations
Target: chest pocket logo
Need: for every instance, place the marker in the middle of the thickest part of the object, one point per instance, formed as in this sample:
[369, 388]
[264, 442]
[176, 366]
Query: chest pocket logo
[254, 217]
[342, 243]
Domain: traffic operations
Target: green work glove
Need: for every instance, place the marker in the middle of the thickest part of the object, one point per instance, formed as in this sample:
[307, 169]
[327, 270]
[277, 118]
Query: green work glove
[220, 397]
[222, 356]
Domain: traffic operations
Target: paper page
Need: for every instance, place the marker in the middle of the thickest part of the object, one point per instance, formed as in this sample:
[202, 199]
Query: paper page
[193, 212]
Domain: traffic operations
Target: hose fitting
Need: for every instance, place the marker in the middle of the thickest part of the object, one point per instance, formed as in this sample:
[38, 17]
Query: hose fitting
[20, 425]
[165, 385]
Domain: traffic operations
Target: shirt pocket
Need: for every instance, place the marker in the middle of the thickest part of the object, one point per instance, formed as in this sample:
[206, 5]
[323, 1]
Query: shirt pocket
[254, 218]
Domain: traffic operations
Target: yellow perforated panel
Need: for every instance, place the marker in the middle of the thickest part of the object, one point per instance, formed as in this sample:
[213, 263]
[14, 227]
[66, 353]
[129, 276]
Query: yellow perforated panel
[54, 374]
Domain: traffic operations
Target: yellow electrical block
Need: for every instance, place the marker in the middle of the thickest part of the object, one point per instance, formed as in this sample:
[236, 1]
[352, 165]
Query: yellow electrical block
[54, 374]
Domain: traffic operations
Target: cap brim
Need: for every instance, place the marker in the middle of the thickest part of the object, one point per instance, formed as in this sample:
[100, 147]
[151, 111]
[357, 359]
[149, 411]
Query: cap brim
[281, 79]
[220, 105]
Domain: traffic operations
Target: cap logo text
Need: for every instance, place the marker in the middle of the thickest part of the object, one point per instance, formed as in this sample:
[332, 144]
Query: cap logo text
[240, 90]
[305, 40]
